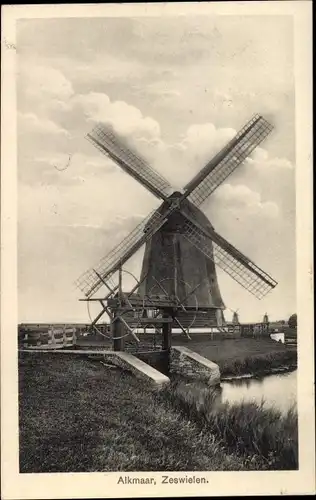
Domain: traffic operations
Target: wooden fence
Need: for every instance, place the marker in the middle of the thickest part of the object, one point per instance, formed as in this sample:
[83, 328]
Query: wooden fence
[254, 329]
[55, 337]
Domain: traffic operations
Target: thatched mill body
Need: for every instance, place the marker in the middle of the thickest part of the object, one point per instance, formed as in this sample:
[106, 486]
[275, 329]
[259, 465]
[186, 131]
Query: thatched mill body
[172, 259]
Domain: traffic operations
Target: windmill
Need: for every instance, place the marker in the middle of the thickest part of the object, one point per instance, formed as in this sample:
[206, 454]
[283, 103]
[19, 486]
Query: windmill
[182, 245]
[235, 318]
[265, 318]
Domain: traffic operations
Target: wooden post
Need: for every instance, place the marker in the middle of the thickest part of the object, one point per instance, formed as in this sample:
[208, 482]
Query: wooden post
[118, 331]
[120, 295]
[166, 341]
[166, 332]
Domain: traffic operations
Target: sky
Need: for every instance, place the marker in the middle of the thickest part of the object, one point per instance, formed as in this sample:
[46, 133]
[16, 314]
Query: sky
[177, 89]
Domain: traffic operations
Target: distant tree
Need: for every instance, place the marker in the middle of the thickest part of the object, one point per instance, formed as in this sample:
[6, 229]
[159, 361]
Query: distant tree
[293, 321]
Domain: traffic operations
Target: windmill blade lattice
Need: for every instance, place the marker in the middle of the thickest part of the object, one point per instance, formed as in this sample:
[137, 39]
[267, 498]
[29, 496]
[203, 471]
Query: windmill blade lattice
[103, 137]
[227, 160]
[231, 260]
[90, 281]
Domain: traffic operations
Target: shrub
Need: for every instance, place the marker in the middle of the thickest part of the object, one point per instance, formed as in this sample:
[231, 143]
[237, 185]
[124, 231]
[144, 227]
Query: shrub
[293, 321]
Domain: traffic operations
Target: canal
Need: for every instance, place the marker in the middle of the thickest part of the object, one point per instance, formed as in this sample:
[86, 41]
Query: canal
[277, 390]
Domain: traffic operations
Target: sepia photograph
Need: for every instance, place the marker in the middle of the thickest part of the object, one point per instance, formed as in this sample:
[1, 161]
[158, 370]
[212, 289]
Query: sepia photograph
[157, 318]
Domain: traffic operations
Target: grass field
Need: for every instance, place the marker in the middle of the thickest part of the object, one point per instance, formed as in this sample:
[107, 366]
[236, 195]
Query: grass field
[76, 415]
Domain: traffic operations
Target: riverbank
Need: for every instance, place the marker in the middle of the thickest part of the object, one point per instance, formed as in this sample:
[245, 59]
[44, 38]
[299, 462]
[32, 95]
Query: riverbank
[245, 356]
[77, 415]
[260, 433]
[261, 373]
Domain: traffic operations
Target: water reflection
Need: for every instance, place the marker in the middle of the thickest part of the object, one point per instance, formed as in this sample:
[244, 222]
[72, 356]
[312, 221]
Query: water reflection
[275, 390]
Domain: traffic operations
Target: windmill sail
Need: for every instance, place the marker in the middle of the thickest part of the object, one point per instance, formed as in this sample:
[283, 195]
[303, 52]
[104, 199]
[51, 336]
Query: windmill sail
[109, 143]
[92, 280]
[231, 260]
[227, 160]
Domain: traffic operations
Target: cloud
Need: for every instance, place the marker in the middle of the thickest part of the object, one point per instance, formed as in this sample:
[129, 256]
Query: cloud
[44, 82]
[179, 161]
[202, 138]
[260, 157]
[126, 119]
[78, 163]
[60, 170]
[30, 123]
[160, 89]
[255, 226]
[108, 69]
[243, 199]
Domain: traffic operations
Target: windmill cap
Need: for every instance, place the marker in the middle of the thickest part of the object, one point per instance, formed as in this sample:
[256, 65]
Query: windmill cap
[175, 194]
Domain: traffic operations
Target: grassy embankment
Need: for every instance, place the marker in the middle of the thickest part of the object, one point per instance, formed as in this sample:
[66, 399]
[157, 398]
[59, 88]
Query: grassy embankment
[78, 415]
[245, 355]
[235, 357]
[261, 433]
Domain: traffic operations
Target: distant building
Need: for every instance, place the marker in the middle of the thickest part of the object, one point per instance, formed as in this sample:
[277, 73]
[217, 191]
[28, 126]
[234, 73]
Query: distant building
[278, 337]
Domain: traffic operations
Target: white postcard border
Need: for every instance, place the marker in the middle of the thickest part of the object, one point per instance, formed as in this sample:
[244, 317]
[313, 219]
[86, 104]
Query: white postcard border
[98, 485]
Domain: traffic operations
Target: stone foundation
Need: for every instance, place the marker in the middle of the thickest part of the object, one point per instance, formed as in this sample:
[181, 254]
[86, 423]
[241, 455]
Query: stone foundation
[190, 364]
